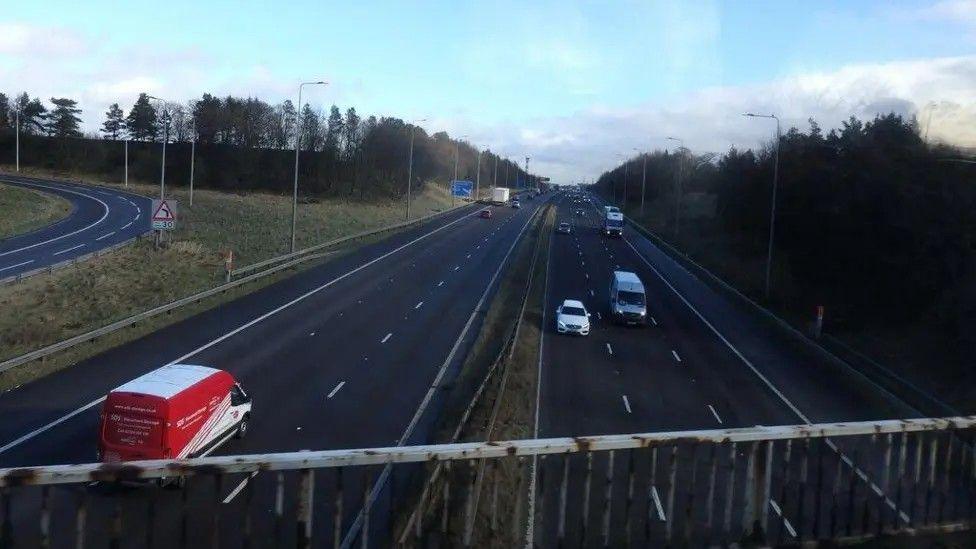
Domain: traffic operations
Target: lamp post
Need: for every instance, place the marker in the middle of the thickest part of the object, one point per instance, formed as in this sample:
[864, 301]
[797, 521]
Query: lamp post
[17, 140]
[477, 177]
[494, 178]
[298, 147]
[526, 171]
[681, 169]
[772, 208]
[413, 130]
[457, 156]
[643, 182]
[193, 154]
[162, 173]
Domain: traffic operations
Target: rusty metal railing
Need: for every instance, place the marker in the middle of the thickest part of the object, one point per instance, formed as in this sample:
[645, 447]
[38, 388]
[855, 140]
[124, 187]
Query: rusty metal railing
[773, 485]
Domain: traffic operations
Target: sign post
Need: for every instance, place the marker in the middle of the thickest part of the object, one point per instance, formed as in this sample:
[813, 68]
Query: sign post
[163, 217]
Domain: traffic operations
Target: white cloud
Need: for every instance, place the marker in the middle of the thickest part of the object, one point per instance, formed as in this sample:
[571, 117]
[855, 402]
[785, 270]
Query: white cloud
[582, 145]
[17, 39]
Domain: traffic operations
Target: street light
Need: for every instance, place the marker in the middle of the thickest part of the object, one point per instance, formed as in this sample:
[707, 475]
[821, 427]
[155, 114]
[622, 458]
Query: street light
[772, 213]
[193, 153]
[457, 155]
[413, 130]
[298, 147]
[162, 173]
[526, 171]
[643, 181]
[17, 139]
[677, 200]
[477, 177]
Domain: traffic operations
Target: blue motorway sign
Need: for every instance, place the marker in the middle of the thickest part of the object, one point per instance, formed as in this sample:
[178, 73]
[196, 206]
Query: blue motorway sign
[463, 189]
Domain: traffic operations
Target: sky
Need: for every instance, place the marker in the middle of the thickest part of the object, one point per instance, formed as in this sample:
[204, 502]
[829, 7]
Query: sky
[574, 85]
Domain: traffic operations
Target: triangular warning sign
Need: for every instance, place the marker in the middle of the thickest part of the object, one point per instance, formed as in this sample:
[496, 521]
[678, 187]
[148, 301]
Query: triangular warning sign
[163, 213]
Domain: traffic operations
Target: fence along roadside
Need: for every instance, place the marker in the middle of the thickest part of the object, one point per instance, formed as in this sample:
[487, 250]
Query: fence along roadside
[764, 484]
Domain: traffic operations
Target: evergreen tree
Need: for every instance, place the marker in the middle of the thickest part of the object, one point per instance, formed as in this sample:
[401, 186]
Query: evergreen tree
[5, 118]
[141, 122]
[64, 120]
[333, 132]
[32, 114]
[351, 127]
[114, 122]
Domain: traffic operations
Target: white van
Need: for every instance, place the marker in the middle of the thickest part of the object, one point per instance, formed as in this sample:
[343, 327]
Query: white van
[628, 302]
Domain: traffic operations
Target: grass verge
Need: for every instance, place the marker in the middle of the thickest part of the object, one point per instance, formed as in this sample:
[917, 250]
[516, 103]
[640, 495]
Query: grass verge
[505, 408]
[24, 210]
[52, 307]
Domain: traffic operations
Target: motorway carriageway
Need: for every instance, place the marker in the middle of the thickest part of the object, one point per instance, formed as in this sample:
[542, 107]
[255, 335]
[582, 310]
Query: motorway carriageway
[343, 355]
[100, 217]
[700, 363]
[676, 373]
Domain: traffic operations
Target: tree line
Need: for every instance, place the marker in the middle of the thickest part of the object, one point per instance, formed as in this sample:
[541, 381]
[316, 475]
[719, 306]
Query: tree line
[872, 222]
[247, 143]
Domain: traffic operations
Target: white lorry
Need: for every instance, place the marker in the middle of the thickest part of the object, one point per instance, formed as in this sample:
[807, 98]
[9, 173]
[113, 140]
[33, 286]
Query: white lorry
[499, 195]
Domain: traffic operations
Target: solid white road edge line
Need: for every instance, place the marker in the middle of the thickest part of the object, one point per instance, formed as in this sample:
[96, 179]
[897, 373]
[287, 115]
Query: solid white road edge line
[877, 490]
[530, 529]
[85, 228]
[233, 493]
[339, 386]
[353, 530]
[23, 438]
[126, 226]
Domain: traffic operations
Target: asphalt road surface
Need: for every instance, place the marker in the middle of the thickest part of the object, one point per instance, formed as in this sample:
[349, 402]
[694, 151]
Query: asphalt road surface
[701, 362]
[100, 217]
[344, 355]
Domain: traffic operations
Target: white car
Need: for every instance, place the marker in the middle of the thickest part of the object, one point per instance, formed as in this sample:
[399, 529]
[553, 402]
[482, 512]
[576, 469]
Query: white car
[572, 318]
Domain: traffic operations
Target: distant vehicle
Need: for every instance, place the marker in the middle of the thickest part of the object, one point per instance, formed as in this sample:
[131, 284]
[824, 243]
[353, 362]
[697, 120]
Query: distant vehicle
[571, 317]
[613, 224]
[628, 303]
[500, 195]
[486, 213]
[564, 228]
[177, 411]
[608, 209]
[516, 204]
[579, 212]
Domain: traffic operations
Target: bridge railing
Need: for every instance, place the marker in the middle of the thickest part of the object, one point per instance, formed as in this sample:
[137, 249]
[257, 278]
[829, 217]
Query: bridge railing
[774, 485]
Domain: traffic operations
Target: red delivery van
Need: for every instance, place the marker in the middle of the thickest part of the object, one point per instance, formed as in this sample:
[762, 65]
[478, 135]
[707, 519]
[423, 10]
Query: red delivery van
[177, 411]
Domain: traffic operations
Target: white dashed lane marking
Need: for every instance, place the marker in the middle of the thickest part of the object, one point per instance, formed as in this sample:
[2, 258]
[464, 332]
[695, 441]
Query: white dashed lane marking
[675, 354]
[104, 236]
[387, 338]
[336, 390]
[68, 249]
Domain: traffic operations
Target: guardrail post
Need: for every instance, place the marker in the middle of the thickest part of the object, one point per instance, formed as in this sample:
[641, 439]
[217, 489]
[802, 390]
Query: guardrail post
[755, 496]
[306, 489]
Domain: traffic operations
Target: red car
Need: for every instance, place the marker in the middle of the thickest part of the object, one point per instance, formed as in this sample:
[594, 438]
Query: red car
[485, 214]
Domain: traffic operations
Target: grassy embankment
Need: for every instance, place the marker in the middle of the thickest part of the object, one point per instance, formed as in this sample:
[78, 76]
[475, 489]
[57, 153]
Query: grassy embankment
[48, 308]
[24, 210]
[919, 352]
[506, 409]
